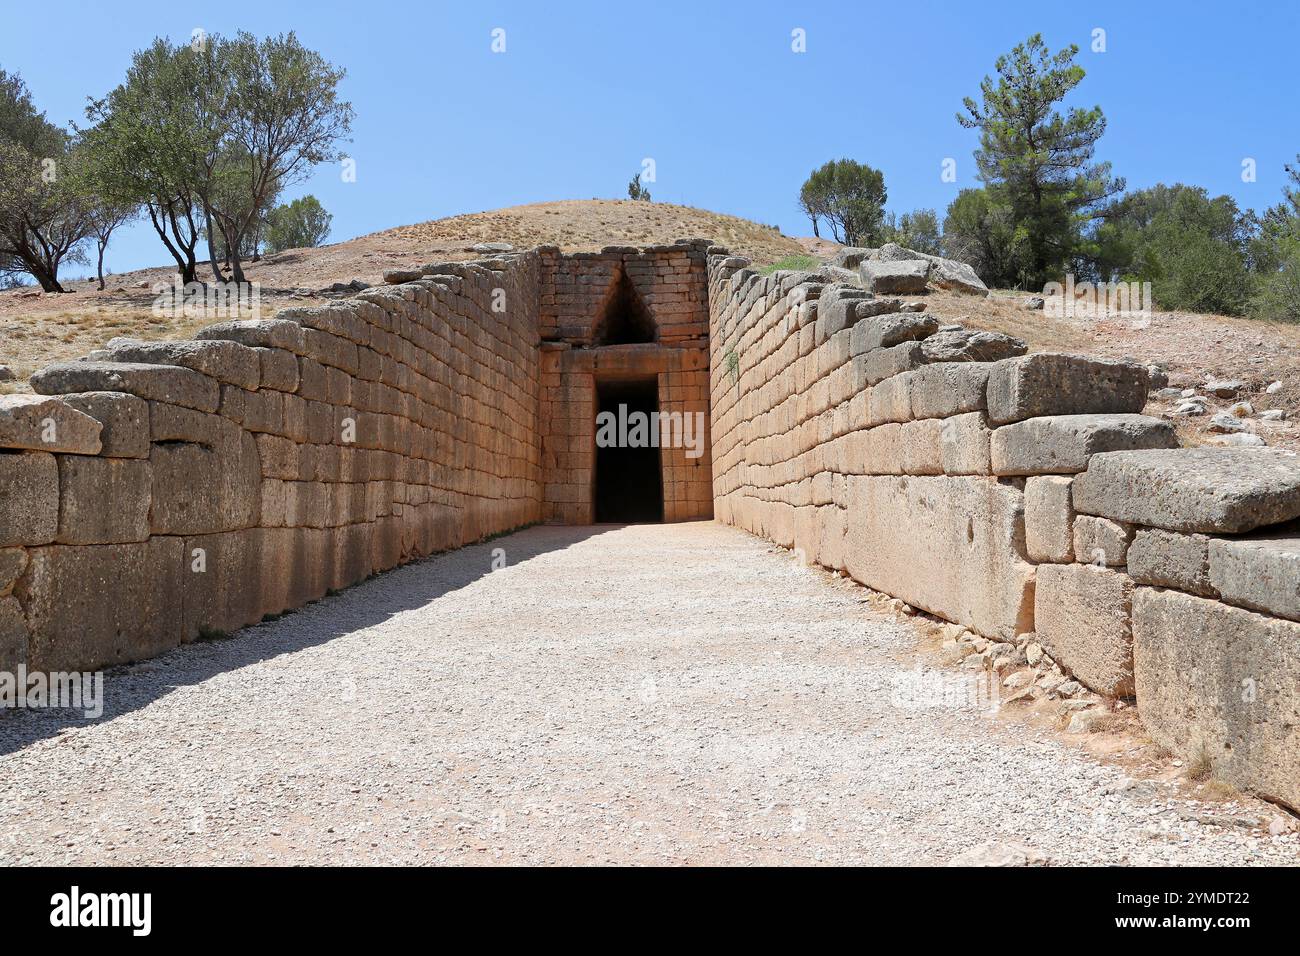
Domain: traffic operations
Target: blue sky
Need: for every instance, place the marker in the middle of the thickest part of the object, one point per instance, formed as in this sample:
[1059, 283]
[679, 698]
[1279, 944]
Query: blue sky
[733, 119]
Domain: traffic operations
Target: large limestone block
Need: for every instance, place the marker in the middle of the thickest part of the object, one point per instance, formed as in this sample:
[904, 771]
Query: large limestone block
[91, 606]
[258, 333]
[1062, 444]
[223, 360]
[1171, 560]
[1260, 572]
[886, 331]
[46, 424]
[890, 401]
[220, 575]
[1223, 684]
[13, 635]
[968, 345]
[29, 498]
[964, 444]
[952, 546]
[871, 368]
[1102, 542]
[1207, 490]
[1081, 614]
[103, 500]
[949, 388]
[922, 446]
[902, 276]
[202, 489]
[124, 421]
[163, 383]
[944, 273]
[1050, 383]
[1049, 519]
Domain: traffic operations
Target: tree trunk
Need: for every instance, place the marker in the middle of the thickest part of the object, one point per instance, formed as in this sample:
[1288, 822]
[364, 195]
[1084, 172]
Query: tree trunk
[212, 248]
[99, 266]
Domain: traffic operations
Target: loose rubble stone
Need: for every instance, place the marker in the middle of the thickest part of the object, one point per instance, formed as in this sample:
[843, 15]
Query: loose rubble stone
[968, 345]
[901, 277]
[1224, 388]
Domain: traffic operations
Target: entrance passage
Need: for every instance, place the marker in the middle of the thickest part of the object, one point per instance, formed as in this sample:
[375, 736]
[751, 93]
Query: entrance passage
[629, 486]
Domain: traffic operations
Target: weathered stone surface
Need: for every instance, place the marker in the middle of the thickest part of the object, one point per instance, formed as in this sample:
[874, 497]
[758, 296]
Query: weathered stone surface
[850, 257]
[878, 365]
[1101, 542]
[918, 538]
[1261, 572]
[964, 444]
[1222, 684]
[836, 309]
[29, 498]
[1050, 383]
[164, 383]
[1049, 519]
[1210, 490]
[1062, 444]
[949, 388]
[903, 276]
[13, 635]
[1081, 614]
[124, 421]
[890, 401]
[219, 580]
[94, 606]
[1172, 560]
[968, 345]
[399, 276]
[278, 369]
[257, 333]
[46, 424]
[886, 331]
[221, 359]
[12, 563]
[103, 500]
[201, 489]
[921, 444]
[944, 273]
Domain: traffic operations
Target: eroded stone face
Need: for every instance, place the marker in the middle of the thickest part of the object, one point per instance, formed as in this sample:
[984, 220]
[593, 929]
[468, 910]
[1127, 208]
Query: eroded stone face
[919, 537]
[1081, 615]
[1207, 490]
[1221, 684]
[1062, 444]
[1049, 383]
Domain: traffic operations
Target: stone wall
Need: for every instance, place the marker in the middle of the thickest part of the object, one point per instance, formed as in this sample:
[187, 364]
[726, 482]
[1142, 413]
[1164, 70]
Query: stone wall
[1017, 495]
[166, 490]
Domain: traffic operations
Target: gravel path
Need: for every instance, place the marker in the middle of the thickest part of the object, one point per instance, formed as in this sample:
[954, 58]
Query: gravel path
[654, 694]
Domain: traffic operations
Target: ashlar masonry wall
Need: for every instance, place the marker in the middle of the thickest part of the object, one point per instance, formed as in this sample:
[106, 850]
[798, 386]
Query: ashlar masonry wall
[198, 486]
[1017, 495]
[159, 491]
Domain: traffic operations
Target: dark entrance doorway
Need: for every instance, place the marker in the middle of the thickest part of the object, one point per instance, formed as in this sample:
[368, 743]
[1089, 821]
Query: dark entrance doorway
[629, 486]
